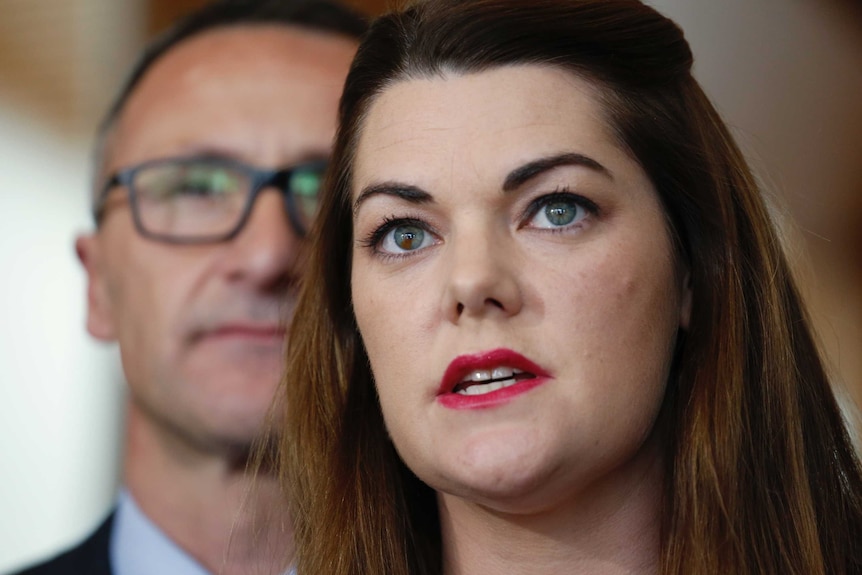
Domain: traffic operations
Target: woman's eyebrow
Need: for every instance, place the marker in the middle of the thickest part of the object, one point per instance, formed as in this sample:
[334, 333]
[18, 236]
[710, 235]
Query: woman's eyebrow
[521, 175]
[406, 192]
[516, 178]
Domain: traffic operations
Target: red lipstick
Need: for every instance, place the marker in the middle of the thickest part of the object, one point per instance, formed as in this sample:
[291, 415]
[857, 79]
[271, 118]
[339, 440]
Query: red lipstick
[488, 379]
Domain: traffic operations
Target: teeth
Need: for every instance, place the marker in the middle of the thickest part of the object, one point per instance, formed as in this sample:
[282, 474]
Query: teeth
[502, 372]
[483, 388]
[498, 378]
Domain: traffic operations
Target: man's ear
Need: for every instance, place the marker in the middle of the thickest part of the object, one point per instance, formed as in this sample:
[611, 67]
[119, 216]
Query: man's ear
[100, 322]
[685, 301]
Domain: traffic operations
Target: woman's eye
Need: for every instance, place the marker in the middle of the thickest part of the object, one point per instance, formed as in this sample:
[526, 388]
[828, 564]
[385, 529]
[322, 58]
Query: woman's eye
[405, 238]
[557, 211]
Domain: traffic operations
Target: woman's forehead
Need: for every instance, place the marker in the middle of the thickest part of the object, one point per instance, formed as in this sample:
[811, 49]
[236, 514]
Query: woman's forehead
[484, 122]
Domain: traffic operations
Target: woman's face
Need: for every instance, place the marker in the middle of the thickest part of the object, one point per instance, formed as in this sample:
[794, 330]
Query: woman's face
[515, 286]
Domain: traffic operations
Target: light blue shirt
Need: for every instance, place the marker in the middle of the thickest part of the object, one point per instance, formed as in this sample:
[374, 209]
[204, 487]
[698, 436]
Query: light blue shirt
[138, 547]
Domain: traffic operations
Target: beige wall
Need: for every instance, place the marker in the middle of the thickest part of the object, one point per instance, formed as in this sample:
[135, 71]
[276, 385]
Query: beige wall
[787, 75]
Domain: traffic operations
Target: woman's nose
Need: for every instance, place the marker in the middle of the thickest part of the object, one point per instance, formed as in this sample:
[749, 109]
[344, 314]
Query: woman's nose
[482, 278]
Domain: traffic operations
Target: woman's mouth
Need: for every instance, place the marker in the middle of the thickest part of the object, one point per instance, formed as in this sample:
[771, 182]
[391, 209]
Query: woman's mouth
[484, 381]
[488, 378]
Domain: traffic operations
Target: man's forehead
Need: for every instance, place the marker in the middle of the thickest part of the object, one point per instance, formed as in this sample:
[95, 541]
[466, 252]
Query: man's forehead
[236, 79]
[289, 46]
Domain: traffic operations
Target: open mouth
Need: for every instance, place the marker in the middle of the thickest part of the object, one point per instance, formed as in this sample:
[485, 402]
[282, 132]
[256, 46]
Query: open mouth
[488, 379]
[482, 381]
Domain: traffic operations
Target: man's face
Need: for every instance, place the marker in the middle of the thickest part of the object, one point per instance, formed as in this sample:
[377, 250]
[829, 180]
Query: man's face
[199, 325]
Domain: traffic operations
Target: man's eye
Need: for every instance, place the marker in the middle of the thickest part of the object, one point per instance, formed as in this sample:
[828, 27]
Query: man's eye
[306, 184]
[166, 183]
[204, 183]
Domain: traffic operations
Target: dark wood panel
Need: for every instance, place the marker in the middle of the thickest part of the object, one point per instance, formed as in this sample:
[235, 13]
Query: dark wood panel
[162, 13]
[374, 7]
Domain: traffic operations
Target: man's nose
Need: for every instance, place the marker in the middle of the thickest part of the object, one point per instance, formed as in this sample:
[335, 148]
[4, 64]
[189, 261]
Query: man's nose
[266, 251]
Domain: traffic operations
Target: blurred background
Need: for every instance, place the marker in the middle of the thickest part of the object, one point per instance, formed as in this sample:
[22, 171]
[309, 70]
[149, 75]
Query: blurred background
[785, 74]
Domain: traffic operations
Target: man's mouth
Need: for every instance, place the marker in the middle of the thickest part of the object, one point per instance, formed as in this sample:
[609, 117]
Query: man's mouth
[482, 381]
[254, 332]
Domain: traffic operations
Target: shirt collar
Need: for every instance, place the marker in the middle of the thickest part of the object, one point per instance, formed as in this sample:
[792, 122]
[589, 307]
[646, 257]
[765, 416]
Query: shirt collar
[139, 547]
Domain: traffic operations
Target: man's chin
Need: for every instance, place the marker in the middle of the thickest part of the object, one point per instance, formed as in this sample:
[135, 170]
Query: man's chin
[247, 370]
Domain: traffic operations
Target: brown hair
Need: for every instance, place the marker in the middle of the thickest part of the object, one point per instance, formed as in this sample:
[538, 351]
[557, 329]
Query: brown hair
[760, 475]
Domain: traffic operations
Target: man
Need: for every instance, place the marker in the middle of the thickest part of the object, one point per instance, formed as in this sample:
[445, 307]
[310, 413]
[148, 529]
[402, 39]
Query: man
[208, 166]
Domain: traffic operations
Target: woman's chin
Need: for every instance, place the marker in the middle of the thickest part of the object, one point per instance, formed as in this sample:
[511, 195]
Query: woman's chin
[507, 477]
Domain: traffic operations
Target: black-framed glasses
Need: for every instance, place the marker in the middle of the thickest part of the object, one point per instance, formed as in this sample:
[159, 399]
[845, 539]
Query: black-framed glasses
[198, 200]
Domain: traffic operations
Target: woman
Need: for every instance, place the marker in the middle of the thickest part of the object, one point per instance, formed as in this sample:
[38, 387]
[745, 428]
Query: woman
[548, 326]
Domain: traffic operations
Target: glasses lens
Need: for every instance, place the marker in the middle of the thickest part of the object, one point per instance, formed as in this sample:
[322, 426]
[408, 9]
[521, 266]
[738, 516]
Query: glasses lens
[191, 199]
[305, 184]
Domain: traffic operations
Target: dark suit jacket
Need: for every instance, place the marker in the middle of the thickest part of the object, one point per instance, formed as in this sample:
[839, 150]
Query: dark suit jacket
[89, 558]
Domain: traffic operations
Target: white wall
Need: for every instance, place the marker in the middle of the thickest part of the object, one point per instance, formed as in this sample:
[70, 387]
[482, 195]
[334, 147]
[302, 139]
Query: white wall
[61, 394]
[59, 391]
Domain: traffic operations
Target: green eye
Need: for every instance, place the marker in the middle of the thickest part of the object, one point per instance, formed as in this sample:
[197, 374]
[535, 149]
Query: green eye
[306, 184]
[404, 238]
[561, 213]
[172, 182]
[205, 181]
[218, 181]
[408, 238]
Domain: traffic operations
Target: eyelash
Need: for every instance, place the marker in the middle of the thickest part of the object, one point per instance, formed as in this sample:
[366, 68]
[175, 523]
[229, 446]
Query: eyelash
[373, 240]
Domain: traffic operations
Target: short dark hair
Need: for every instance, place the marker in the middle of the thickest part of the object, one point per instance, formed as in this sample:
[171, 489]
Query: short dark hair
[327, 16]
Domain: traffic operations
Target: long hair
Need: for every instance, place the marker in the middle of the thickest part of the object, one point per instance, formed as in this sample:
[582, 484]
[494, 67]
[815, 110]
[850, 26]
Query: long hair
[760, 476]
